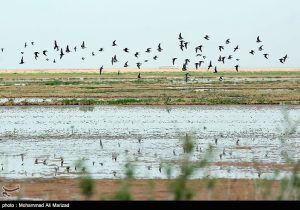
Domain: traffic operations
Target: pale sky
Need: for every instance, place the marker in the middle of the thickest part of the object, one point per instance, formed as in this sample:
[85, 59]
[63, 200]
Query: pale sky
[138, 24]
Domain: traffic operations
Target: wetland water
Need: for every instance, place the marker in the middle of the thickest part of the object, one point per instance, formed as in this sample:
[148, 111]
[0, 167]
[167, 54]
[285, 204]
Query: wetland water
[34, 140]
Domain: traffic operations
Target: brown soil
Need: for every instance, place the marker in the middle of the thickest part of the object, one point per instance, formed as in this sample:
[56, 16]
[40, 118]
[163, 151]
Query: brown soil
[68, 189]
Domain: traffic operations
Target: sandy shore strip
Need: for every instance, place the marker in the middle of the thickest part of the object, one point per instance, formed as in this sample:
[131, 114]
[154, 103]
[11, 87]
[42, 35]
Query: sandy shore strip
[68, 189]
[13, 71]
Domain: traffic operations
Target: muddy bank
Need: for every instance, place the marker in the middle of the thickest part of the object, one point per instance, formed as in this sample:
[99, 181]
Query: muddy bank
[68, 189]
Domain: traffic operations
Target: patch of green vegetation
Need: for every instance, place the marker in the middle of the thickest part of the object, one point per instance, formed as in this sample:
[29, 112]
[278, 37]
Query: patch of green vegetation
[60, 82]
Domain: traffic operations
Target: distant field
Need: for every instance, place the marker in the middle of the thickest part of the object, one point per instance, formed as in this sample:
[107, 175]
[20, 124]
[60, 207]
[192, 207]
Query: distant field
[156, 87]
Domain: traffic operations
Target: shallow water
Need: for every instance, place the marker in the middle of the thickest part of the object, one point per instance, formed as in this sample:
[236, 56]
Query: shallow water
[49, 134]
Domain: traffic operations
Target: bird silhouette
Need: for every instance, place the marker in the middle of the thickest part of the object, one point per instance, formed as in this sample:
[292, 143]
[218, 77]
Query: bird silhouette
[215, 71]
[114, 43]
[126, 64]
[136, 54]
[36, 55]
[22, 60]
[281, 60]
[258, 40]
[227, 41]
[32, 43]
[83, 45]
[237, 67]
[184, 67]
[45, 52]
[200, 63]
[186, 44]
[61, 53]
[180, 37]
[138, 65]
[126, 50]
[67, 49]
[285, 57]
[266, 55]
[75, 48]
[173, 61]
[236, 48]
[196, 65]
[210, 65]
[229, 57]
[206, 37]
[93, 53]
[159, 49]
[115, 58]
[261, 48]
[155, 57]
[148, 50]
[199, 48]
[221, 48]
[112, 61]
[100, 72]
[101, 49]
[252, 52]
[56, 46]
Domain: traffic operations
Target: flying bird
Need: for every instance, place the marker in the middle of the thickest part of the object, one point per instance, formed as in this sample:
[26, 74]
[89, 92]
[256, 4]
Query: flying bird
[186, 44]
[126, 64]
[180, 37]
[258, 40]
[159, 49]
[261, 48]
[266, 55]
[22, 61]
[155, 57]
[252, 52]
[148, 50]
[215, 71]
[200, 63]
[199, 48]
[228, 41]
[136, 54]
[56, 46]
[236, 48]
[36, 55]
[67, 49]
[184, 67]
[83, 45]
[100, 70]
[237, 67]
[61, 53]
[139, 65]
[206, 37]
[210, 65]
[114, 43]
[221, 48]
[126, 50]
[173, 61]
[45, 52]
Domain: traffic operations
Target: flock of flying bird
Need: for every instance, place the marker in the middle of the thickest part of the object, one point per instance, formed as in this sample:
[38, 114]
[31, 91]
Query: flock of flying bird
[63, 51]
